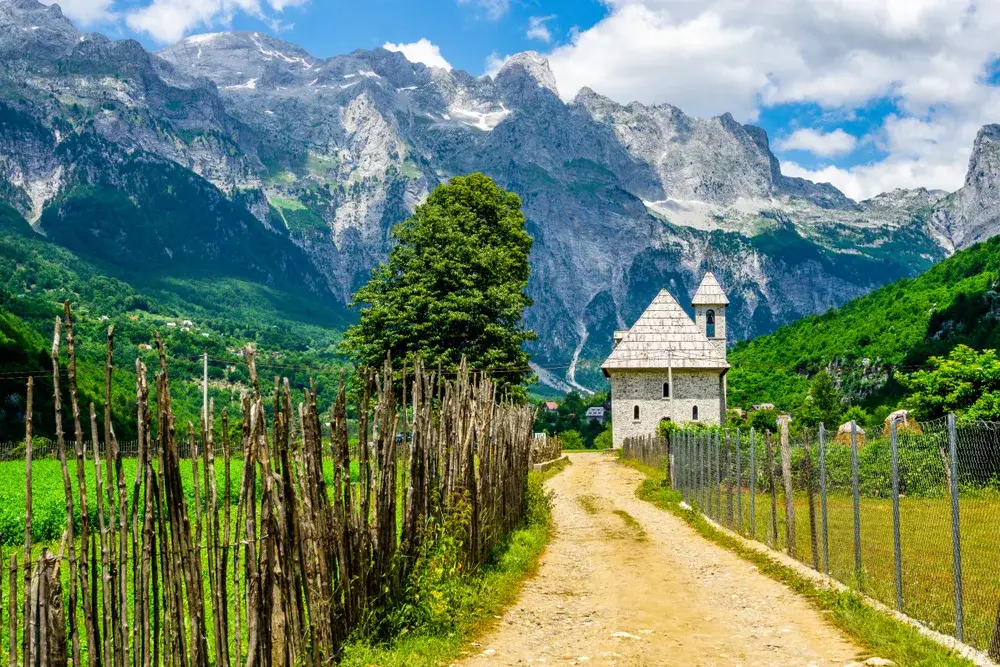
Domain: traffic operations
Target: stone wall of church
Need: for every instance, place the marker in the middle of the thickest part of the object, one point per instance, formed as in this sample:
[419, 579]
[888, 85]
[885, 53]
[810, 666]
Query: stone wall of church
[691, 388]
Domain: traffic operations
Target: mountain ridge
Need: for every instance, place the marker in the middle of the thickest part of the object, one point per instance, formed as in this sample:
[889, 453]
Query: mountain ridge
[327, 154]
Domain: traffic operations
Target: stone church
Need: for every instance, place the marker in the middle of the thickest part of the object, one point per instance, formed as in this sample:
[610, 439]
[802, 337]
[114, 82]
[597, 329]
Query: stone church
[669, 368]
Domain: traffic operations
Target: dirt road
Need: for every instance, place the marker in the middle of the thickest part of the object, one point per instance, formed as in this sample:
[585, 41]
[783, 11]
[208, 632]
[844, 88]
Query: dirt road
[624, 583]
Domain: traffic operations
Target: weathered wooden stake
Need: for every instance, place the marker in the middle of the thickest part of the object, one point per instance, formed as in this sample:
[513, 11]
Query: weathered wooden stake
[786, 474]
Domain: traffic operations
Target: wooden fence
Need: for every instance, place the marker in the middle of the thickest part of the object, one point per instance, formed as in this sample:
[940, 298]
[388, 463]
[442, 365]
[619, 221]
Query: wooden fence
[303, 563]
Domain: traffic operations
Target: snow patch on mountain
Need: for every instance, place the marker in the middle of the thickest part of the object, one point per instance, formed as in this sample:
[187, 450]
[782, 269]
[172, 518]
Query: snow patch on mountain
[481, 120]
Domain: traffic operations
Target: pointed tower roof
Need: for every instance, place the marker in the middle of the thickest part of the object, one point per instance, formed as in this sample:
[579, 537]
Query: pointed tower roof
[709, 293]
[664, 337]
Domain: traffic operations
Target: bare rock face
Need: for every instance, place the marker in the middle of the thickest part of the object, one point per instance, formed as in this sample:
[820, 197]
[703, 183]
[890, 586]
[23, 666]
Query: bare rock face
[328, 154]
[972, 214]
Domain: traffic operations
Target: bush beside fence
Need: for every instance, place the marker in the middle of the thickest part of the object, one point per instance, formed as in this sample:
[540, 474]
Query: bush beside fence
[910, 517]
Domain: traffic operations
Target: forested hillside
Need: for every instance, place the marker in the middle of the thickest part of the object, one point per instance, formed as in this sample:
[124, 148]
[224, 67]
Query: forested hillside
[297, 335]
[868, 342]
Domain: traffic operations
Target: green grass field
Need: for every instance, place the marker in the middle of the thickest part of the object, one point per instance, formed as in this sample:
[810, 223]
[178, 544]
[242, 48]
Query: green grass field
[926, 546]
[478, 596]
[49, 504]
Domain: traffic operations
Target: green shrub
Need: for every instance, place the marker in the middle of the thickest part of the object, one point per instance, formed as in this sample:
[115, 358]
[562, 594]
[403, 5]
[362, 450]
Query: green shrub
[571, 440]
[604, 439]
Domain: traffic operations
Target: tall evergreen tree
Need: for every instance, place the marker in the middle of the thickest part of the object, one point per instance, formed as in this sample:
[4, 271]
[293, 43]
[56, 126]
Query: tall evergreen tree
[453, 286]
[823, 404]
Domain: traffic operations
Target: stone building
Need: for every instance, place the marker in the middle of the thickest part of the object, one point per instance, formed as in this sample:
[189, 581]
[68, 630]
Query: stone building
[668, 367]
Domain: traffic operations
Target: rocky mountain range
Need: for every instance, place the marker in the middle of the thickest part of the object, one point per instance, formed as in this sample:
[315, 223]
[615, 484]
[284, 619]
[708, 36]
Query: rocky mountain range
[290, 169]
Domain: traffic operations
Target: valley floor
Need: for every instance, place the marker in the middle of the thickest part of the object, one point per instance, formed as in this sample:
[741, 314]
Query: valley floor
[625, 583]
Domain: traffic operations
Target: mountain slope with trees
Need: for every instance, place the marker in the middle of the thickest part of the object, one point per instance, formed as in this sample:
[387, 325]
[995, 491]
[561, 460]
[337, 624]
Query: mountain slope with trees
[296, 335]
[870, 344]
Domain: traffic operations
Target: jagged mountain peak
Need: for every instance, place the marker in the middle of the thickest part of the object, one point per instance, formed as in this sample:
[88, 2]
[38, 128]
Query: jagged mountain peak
[984, 164]
[909, 197]
[239, 58]
[30, 29]
[259, 44]
[532, 65]
[972, 213]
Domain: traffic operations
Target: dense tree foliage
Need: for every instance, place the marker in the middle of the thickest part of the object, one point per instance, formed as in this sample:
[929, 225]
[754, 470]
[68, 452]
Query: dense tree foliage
[453, 286]
[871, 342]
[966, 382]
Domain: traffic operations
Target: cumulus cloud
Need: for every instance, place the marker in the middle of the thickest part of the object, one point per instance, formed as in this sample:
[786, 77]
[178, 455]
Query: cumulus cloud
[85, 12]
[494, 9]
[421, 51]
[824, 144]
[170, 20]
[537, 28]
[931, 57]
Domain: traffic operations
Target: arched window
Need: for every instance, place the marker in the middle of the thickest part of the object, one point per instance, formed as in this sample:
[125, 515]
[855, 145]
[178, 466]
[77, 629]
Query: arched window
[694, 413]
[710, 324]
[666, 390]
[635, 413]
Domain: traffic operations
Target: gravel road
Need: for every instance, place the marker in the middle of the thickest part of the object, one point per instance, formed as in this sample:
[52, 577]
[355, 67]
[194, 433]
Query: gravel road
[625, 583]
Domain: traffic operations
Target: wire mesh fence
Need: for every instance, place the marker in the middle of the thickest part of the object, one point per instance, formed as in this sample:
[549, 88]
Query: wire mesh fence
[909, 515]
[43, 448]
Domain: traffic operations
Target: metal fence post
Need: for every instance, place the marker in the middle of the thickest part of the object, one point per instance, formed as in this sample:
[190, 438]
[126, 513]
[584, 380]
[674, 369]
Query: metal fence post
[739, 487]
[822, 492]
[753, 485]
[702, 476]
[687, 465]
[956, 533]
[728, 447]
[772, 489]
[896, 546]
[718, 478]
[672, 459]
[695, 470]
[682, 460]
[856, 493]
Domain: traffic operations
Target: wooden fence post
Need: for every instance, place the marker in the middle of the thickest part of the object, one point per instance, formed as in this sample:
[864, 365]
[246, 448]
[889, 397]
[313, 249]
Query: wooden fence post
[786, 474]
[811, 493]
[772, 489]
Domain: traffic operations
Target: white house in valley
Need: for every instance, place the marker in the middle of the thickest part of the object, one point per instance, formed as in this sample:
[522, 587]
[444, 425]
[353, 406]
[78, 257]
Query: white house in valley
[668, 367]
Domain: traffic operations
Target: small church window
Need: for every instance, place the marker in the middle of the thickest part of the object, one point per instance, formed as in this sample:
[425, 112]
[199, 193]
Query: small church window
[694, 413]
[666, 390]
[710, 324]
[635, 413]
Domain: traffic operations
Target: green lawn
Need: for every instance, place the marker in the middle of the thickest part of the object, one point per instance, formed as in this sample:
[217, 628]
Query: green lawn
[926, 545]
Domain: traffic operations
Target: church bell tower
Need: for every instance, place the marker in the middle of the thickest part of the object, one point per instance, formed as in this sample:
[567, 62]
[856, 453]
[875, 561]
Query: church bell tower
[710, 304]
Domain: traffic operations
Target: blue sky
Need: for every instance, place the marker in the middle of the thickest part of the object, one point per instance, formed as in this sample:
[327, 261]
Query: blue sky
[467, 33]
[867, 94]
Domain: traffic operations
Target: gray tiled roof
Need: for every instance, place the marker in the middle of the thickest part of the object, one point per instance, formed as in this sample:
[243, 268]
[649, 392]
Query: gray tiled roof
[709, 293]
[664, 336]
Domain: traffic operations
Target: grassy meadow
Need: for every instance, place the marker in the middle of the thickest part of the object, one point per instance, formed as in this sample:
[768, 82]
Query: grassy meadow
[471, 601]
[926, 547]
